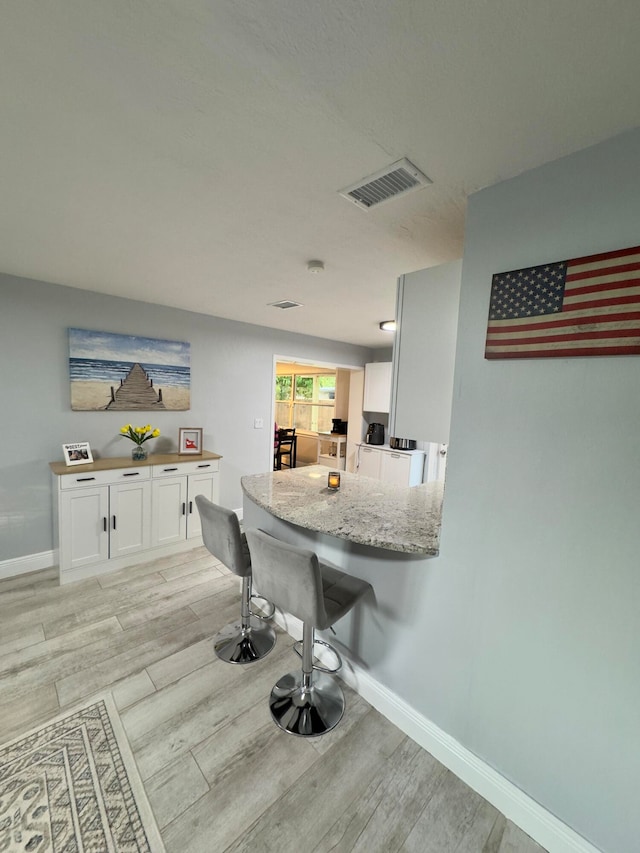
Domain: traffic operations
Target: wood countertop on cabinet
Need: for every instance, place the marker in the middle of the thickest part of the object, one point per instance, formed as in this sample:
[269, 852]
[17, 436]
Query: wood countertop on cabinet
[110, 463]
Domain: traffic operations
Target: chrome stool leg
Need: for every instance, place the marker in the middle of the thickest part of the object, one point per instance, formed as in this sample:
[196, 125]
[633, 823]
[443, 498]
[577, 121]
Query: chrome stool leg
[307, 703]
[248, 640]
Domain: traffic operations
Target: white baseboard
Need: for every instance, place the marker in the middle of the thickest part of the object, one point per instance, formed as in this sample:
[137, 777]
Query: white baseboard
[550, 832]
[26, 564]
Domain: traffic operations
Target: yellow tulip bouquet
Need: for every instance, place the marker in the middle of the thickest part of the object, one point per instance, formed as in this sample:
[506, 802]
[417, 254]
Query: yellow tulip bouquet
[139, 434]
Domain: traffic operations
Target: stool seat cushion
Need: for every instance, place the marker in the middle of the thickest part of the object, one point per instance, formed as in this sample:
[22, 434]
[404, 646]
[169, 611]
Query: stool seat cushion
[340, 592]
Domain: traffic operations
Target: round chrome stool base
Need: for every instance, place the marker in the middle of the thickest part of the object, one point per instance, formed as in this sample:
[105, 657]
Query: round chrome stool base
[310, 711]
[234, 644]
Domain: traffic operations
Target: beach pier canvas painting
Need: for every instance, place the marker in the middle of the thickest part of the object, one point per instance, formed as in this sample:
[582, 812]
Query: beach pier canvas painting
[111, 372]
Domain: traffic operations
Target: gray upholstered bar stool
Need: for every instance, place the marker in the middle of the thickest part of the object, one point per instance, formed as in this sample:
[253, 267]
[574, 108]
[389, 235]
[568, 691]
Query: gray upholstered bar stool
[249, 639]
[307, 702]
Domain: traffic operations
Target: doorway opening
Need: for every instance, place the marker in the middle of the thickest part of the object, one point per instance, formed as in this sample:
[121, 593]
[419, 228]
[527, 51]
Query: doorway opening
[314, 404]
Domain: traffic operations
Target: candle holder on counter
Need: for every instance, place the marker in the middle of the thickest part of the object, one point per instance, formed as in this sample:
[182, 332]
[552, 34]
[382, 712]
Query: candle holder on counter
[334, 480]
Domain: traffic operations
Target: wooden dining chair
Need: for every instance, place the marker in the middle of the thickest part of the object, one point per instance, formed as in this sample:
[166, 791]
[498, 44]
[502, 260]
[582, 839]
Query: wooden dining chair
[285, 446]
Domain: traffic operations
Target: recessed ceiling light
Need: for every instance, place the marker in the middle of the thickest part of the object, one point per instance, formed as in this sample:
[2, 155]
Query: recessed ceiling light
[388, 325]
[315, 266]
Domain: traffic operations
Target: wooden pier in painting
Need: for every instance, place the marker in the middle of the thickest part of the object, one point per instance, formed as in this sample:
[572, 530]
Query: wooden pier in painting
[136, 391]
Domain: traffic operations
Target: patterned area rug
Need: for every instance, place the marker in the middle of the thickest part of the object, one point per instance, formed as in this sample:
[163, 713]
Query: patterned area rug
[72, 786]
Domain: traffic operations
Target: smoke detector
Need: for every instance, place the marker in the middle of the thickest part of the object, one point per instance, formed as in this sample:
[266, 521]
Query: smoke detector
[315, 266]
[396, 180]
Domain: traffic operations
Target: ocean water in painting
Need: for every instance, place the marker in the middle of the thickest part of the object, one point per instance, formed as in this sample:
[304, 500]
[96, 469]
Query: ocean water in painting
[101, 370]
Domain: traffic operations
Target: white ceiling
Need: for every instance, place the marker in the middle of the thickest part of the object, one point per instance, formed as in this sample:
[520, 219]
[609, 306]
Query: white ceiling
[189, 152]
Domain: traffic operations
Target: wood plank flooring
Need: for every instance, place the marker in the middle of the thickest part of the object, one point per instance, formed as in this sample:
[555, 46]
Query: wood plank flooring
[219, 774]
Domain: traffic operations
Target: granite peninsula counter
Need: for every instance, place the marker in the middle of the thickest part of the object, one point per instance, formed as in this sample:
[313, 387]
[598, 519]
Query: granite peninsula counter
[365, 511]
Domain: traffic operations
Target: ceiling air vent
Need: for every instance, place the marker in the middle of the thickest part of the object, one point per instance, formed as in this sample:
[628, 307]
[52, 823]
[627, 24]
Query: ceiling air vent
[285, 303]
[395, 180]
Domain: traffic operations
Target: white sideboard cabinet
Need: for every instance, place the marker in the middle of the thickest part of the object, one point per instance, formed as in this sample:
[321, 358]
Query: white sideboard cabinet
[175, 488]
[113, 513]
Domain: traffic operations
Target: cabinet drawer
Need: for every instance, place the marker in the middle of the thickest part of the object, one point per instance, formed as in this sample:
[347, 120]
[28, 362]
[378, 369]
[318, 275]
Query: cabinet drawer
[103, 478]
[200, 466]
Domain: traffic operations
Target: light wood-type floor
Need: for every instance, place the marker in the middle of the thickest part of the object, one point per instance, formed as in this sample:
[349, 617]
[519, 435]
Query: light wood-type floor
[219, 774]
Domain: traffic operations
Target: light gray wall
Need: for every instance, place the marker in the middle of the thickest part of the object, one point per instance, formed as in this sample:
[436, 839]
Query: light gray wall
[540, 535]
[522, 638]
[231, 384]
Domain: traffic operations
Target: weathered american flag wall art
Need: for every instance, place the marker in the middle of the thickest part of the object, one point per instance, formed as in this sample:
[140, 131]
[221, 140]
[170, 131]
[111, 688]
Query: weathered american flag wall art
[584, 307]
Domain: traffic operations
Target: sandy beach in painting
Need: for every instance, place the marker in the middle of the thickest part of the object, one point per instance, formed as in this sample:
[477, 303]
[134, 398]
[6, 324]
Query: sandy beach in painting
[95, 396]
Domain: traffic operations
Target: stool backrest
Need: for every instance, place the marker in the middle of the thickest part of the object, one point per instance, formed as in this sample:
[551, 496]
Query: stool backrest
[288, 576]
[222, 537]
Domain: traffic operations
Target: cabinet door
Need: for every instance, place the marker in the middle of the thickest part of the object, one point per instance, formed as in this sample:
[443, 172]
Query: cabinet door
[199, 484]
[169, 511]
[424, 352]
[377, 386]
[130, 518]
[395, 468]
[84, 527]
[369, 462]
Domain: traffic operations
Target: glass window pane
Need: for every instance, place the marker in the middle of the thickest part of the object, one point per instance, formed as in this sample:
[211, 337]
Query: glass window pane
[283, 415]
[304, 388]
[327, 387]
[283, 387]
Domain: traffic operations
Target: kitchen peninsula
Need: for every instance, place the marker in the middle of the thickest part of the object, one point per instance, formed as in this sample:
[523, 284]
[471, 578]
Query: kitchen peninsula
[363, 511]
[385, 534]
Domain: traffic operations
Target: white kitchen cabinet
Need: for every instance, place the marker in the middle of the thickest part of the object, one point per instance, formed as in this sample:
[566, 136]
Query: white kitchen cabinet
[424, 353]
[377, 386]
[110, 513]
[395, 468]
[369, 461]
[401, 468]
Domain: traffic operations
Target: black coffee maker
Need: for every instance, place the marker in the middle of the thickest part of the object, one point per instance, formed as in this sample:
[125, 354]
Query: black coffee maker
[375, 434]
[339, 426]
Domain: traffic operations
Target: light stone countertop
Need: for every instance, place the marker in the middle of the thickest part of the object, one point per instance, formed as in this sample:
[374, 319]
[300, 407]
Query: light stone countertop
[363, 510]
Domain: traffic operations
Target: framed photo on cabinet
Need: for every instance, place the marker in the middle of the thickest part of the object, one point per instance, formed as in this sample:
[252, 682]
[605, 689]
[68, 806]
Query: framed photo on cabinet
[77, 454]
[190, 440]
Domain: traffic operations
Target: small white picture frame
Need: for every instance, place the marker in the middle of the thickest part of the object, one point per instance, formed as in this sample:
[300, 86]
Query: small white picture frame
[190, 440]
[78, 453]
